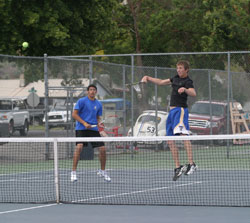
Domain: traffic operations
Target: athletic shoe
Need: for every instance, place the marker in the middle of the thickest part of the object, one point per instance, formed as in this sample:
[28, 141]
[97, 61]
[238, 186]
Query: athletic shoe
[103, 173]
[178, 172]
[190, 168]
[73, 176]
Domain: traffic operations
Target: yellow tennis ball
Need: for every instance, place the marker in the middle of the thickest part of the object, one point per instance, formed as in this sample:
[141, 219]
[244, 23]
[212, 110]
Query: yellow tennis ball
[25, 44]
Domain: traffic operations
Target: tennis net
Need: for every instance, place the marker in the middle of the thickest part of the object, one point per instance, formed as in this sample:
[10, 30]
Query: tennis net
[38, 170]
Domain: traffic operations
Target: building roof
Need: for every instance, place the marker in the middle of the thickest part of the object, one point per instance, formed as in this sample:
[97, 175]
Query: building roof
[13, 88]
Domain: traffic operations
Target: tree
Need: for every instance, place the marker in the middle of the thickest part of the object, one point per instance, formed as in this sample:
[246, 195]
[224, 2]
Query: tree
[229, 26]
[56, 27]
[184, 26]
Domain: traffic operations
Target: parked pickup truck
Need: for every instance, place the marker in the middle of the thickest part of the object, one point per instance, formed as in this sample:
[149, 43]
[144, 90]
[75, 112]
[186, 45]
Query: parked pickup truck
[59, 116]
[14, 115]
[58, 119]
[201, 122]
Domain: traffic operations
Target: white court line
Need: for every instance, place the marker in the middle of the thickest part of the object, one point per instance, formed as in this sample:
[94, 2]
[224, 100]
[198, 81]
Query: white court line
[27, 209]
[136, 192]
[20, 173]
[18, 179]
[40, 178]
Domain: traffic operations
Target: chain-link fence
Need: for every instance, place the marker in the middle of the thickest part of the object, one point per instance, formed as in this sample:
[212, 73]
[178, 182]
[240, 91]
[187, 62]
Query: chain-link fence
[219, 77]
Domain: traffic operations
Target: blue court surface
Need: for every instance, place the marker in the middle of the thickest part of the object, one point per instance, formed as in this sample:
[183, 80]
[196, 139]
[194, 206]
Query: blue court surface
[64, 213]
[141, 190]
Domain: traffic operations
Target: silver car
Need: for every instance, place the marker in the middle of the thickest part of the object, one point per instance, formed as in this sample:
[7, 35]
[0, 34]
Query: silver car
[147, 124]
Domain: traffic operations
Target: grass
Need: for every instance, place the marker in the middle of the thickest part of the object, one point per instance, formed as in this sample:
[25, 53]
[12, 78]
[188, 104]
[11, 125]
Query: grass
[26, 167]
[36, 127]
[42, 127]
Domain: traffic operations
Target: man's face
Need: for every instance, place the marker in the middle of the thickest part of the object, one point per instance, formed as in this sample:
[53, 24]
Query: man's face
[181, 71]
[92, 92]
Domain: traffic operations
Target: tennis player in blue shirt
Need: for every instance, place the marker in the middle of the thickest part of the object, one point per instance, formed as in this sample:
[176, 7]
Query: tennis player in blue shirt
[177, 121]
[87, 113]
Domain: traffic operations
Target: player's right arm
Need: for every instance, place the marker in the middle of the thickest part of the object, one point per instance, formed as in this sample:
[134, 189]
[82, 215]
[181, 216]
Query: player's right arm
[76, 116]
[157, 81]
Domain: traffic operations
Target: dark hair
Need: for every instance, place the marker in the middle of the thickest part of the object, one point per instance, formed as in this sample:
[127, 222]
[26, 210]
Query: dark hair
[185, 63]
[91, 85]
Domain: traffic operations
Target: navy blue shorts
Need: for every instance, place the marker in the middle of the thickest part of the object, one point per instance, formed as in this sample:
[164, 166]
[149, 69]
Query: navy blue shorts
[89, 133]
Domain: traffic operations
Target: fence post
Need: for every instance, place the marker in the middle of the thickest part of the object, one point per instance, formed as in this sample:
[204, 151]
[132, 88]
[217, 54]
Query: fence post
[228, 98]
[46, 102]
[210, 99]
[124, 99]
[156, 103]
[156, 108]
[90, 70]
[132, 94]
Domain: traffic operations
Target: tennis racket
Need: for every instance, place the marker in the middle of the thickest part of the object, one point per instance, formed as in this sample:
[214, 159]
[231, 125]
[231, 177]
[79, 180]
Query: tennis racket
[138, 87]
[134, 83]
[103, 121]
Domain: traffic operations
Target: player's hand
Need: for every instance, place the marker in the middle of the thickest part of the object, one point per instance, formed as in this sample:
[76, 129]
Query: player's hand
[144, 79]
[87, 125]
[181, 90]
[101, 125]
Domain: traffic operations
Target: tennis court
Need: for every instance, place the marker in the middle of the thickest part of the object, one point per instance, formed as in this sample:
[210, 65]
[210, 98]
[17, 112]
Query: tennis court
[64, 213]
[140, 176]
[35, 182]
[156, 187]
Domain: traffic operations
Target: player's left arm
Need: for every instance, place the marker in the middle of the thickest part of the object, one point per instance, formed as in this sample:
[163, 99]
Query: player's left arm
[99, 117]
[190, 91]
[99, 121]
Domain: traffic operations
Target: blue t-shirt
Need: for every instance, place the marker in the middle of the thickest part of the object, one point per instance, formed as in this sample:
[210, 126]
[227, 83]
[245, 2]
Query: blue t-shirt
[88, 110]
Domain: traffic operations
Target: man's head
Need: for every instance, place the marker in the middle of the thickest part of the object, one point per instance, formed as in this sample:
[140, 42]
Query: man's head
[185, 64]
[92, 90]
[182, 68]
[91, 86]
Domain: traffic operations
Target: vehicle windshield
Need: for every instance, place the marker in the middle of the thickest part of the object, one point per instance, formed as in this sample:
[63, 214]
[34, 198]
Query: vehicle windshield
[60, 105]
[5, 105]
[149, 118]
[204, 109]
[112, 121]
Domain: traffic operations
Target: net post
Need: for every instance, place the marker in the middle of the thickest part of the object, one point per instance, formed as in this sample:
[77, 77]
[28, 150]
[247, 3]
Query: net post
[56, 170]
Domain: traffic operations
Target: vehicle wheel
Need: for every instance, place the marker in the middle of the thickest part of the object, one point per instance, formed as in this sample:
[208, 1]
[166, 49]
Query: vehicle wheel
[67, 127]
[24, 131]
[165, 146]
[11, 128]
[221, 142]
[161, 146]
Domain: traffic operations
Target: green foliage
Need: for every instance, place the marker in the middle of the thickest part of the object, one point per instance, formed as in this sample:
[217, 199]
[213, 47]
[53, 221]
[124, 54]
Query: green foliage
[71, 27]
[182, 26]
[68, 27]
[56, 27]
[227, 22]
